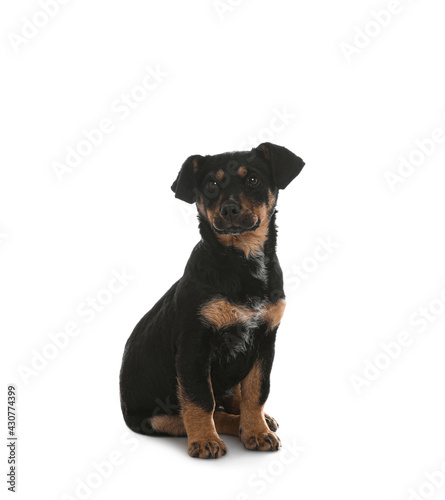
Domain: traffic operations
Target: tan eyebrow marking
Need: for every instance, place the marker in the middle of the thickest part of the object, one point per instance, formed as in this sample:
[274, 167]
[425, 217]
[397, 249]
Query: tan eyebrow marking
[242, 171]
[220, 175]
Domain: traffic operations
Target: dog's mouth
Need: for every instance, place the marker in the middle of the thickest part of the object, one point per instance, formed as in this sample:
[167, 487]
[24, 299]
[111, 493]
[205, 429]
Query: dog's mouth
[236, 228]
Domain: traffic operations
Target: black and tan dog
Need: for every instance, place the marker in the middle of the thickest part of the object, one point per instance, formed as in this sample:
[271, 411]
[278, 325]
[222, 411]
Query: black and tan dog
[198, 364]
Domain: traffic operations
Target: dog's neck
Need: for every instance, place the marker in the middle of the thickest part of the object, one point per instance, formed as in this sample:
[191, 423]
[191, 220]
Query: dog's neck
[232, 272]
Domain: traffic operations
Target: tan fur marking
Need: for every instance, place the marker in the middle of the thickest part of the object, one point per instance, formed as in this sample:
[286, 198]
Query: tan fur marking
[252, 413]
[195, 165]
[226, 424]
[272, 200]
[202, 208]
[170, 424]
[242, 171]
[250, 242]
[173, 425]
[197, 421]
[255, 433]
[220, 313]
[220, 175]
[273, 313]
[203, 439]
[210, 213]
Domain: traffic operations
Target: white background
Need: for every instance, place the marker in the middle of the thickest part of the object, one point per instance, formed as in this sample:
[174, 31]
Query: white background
[228, 75]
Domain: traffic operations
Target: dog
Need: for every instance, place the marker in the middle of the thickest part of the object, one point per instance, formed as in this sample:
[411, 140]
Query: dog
[198, 363]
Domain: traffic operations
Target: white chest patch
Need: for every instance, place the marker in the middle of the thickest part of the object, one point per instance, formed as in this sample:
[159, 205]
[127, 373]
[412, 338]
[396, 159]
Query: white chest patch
[260, 264]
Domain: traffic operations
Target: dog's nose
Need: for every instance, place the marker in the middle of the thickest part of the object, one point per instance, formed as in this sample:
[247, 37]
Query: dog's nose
[230, 211]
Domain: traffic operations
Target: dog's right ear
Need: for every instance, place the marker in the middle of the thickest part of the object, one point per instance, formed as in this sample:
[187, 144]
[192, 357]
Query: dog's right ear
[284, 164]
[184, 186]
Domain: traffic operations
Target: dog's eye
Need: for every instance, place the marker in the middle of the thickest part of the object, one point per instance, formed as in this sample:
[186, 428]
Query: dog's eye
[212, 187]
[252, 181]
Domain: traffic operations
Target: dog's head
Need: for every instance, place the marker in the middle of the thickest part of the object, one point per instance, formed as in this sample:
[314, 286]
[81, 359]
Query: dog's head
[236, 192]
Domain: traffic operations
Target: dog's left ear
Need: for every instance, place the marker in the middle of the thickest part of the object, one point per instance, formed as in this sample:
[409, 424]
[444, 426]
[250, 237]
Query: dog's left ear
[285, 165]
[184, 186]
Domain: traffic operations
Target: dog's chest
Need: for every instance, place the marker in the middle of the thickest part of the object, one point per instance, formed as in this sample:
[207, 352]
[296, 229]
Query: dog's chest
[235, 324]
[229, 342]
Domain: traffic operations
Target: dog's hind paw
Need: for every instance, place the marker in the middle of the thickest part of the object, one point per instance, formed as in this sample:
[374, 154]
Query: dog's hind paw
[266, 441]
[271, 423]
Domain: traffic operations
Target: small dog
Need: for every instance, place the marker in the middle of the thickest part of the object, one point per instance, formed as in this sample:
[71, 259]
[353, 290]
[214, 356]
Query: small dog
[198, 364]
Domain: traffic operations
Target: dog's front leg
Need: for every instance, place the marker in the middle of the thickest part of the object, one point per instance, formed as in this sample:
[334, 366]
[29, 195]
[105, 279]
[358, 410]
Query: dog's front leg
[197, 402]
[254, 431]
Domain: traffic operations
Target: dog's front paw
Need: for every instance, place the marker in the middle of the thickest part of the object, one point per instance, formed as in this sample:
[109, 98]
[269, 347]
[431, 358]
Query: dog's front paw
[271, 423]
[211, 448]
[265, 441]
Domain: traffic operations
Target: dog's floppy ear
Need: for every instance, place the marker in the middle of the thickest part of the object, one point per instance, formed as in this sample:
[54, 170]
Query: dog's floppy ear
[184, 186]
[285, 165]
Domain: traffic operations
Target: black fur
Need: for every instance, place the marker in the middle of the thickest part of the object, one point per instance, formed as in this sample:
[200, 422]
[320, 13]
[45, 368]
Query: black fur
[171, 341]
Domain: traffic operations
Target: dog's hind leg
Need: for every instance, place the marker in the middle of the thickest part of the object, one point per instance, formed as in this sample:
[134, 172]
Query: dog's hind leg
[173, 425]
[226, 423]
[139, 423]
